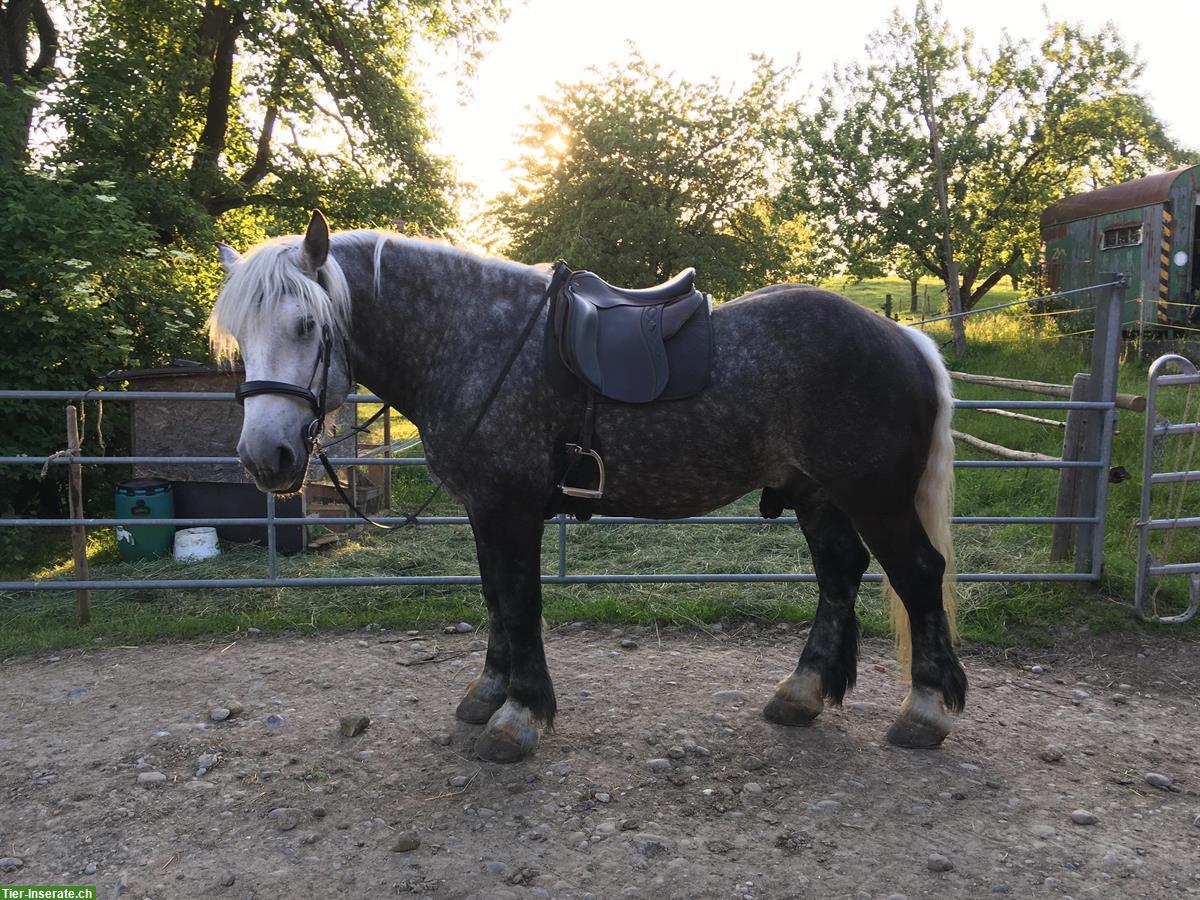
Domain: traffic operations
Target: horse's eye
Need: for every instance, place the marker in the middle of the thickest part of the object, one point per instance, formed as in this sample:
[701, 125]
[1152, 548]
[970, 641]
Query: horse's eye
[307, 325]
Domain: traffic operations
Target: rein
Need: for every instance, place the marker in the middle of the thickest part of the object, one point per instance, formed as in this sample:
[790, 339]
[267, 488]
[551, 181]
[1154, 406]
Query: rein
[317, 402]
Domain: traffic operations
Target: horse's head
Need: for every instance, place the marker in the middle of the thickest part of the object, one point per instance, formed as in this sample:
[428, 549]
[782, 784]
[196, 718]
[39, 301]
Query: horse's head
[285, 308]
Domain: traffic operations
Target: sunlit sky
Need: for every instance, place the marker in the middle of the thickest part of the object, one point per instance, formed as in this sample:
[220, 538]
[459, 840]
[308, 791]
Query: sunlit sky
[549, 41]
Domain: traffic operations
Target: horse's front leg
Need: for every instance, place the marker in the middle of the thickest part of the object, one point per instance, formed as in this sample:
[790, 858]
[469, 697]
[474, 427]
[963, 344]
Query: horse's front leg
[487, 693]
[508, 541]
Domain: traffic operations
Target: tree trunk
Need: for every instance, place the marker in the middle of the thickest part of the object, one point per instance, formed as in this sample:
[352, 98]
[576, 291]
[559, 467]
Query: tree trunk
[206, 177]
[20, 80]
[956, 308]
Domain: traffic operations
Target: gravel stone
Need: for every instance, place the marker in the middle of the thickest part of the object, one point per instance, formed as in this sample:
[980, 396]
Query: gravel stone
[11, 863]
[458, 781]
[285, 817]
[150, 779]
[1083, 817]
[652, 845]
[1159, 781]
[206, 761]
[1051, 754]
[218, 713]
[675, 752]
[405, 842]
[629, 644]
[938, 863]
[442, 740]
[731, 696]
[354, 725]
[659, 764]
[90, 869]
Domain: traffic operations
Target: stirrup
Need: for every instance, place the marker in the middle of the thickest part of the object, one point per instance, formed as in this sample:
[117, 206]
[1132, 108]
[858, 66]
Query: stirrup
[574, 450]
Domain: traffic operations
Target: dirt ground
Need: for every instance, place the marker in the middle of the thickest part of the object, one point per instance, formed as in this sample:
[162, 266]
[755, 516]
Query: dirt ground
[732, 806]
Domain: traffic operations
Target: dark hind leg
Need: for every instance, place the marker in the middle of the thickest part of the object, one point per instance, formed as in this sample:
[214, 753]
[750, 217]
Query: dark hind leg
[508, 541]
[487, 693]
[915, 569]
[828, 664]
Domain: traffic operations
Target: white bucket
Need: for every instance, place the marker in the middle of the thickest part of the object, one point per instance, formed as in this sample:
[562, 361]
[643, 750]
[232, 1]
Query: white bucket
[193, 544]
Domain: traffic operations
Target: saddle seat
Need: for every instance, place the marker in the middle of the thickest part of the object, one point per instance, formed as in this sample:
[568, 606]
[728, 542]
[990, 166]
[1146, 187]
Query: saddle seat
[599, 292]
[635, 345]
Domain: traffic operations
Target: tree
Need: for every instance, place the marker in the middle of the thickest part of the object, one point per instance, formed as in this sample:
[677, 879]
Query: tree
[639, 174]
[205, 107]
[22, 23]
[1018, 128]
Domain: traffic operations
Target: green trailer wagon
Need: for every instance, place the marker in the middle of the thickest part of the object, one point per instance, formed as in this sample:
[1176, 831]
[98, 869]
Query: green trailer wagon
[1148, 229]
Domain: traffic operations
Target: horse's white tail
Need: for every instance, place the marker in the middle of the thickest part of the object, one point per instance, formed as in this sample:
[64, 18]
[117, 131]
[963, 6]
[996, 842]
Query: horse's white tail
[935, 502]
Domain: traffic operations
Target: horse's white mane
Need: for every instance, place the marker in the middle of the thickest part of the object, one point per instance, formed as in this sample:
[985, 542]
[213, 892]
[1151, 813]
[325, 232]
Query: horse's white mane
[269, 272]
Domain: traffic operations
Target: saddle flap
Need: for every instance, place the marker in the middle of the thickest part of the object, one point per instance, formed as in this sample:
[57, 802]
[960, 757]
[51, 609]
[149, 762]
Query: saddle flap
[633, 360]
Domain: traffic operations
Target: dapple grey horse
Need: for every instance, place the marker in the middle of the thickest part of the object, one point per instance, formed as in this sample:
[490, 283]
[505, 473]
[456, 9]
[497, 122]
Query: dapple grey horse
[832, 410]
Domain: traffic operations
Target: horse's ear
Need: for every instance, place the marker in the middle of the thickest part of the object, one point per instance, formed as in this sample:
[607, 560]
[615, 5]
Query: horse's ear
[316, 243]
[229, 256]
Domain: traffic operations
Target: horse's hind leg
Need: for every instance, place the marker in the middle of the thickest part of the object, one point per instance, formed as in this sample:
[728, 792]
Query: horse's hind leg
[487, 693]
[915, 569]
[827, 666]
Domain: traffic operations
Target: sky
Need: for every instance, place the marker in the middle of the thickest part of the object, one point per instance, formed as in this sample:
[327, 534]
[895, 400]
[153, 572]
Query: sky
[549, 41]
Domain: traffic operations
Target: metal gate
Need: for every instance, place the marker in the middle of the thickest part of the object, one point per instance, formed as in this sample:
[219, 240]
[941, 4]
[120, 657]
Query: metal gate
[1156, 450]
[1099, 405]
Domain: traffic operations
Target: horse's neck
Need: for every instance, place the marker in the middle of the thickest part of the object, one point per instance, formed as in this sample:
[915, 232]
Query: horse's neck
[439, 326]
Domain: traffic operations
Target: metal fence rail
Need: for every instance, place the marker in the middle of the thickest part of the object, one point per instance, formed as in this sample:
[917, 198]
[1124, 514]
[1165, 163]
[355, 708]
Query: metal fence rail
[1088, 567]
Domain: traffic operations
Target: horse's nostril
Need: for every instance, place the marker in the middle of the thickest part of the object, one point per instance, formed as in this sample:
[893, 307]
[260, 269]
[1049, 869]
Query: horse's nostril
[286, 459]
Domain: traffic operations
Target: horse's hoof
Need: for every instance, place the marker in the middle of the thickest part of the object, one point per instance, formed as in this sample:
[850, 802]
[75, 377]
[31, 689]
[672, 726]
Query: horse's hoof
[480, 702]
[476, 711]
[797, 700]
[922, 724]
[510, 735]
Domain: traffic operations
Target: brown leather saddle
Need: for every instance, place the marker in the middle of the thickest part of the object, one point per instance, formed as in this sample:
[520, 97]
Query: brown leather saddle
[629, 346]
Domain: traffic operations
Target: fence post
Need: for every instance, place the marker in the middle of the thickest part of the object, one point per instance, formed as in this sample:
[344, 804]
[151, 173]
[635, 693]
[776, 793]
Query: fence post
[1098, 424]
[272, 549]
[83, 599]
[562, 545]
[387, 470]
[1062, 540]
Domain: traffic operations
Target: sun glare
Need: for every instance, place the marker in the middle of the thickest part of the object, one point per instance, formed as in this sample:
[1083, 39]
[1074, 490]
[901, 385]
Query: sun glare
[556, 145]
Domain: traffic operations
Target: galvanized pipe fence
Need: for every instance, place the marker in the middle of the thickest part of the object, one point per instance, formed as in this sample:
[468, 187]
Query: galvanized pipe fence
[1179, 475]
[1099, 409]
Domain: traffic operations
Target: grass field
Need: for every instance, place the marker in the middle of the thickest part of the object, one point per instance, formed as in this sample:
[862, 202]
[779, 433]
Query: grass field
[1007, 343]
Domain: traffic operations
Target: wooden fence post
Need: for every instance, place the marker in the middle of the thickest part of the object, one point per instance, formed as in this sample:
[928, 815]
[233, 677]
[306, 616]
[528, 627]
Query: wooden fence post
[83, 599]
[1062, 540]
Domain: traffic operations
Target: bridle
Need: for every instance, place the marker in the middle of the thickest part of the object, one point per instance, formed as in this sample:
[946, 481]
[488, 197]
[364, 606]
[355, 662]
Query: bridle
[315, 400]
[312, 432]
